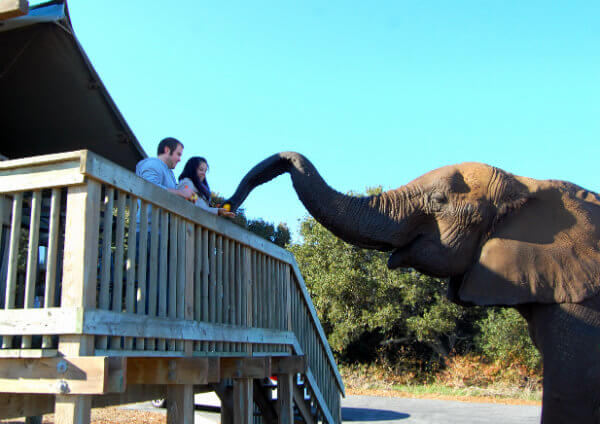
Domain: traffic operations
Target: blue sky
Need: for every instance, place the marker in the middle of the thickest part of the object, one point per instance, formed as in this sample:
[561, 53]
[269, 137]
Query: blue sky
[373, 93]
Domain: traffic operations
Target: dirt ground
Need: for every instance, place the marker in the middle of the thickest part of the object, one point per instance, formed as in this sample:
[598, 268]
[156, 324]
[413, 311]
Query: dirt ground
[113, 415]
[109, 415]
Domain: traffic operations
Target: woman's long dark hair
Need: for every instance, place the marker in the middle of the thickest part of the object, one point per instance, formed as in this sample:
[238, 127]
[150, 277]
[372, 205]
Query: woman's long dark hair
[189, 171]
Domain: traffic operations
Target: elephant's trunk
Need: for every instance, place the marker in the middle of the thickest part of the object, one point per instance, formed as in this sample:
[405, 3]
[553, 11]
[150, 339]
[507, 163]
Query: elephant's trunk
[363, 221]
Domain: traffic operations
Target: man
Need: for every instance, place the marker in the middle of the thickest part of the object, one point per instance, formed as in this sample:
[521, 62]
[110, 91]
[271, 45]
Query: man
[159, 170]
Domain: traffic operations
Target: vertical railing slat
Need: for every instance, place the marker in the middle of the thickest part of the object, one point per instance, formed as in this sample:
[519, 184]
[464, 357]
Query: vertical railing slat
[248, 282]
[219, 302]
[153, 269]
[280, 301]
[13, 255]
[198, 270]
[205, 274]
[32, 258]
[260, 299]
[117, 294]
[266, 301]
[51, 265]
[240, 309]
[106, 258]
[270, 306]
[226, 292]
[130, 263]
[212, 246]
[181, 275]
[173, 271]
[288, 302]
[232, 298]
[255, 294]
[189, 259]
[163, 275]
[142, 268]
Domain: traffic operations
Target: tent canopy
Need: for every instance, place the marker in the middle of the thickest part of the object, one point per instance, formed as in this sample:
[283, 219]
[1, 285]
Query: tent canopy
[51, 99]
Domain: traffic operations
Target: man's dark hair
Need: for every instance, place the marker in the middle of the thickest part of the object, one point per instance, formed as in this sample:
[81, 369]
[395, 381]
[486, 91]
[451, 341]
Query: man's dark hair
[168, 143]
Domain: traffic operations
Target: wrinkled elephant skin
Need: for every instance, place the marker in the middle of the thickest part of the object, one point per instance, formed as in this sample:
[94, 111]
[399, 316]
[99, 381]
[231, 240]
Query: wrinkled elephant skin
[501, 239]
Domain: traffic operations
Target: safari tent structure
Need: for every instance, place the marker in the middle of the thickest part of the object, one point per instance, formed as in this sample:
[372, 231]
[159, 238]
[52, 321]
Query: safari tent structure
[114, 291]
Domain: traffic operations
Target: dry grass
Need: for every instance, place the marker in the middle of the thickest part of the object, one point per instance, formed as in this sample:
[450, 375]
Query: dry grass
[465, 378]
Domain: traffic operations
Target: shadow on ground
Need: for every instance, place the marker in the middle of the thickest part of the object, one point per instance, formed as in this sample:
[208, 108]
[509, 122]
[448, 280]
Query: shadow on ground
[364, 414]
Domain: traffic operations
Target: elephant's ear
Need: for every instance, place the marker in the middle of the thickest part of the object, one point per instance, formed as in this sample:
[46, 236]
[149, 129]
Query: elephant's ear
[545, 251]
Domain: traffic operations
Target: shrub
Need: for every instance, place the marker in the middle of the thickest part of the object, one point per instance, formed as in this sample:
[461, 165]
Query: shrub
[504, 337]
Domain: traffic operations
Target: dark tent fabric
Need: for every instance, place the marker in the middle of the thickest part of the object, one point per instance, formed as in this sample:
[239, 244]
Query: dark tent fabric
[51, 99]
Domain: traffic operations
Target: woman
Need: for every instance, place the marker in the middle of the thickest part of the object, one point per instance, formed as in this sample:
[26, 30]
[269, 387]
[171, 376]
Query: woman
[194, 177]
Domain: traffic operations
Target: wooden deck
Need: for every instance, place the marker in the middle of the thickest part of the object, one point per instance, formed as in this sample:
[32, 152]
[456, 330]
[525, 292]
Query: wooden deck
[112, 290]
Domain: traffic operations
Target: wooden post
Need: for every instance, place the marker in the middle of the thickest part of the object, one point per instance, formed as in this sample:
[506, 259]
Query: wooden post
[79, 286]
[243, 406]
[285, 404]
[180, 397]
[286, 368]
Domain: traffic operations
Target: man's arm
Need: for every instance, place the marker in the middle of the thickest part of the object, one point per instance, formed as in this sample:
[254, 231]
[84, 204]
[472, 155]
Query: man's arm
[152, 175]
[185, 192]
[155, 176]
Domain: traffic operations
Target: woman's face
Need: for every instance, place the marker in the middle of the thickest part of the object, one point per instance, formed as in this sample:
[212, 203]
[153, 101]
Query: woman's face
[201, 170]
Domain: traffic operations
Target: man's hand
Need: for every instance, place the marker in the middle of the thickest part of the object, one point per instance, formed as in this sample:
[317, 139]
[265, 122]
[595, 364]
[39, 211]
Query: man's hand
[226, 213]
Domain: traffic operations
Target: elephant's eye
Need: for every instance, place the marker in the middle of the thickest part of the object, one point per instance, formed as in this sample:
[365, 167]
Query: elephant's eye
[438, 197]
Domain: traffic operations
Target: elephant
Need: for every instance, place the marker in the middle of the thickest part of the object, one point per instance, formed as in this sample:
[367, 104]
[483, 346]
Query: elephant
[499, 239]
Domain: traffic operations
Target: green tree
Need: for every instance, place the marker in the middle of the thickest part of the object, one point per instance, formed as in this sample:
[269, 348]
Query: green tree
[504, 337]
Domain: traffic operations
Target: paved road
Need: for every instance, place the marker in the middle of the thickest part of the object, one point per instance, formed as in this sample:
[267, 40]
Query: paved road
[380, 410]
[383, 410]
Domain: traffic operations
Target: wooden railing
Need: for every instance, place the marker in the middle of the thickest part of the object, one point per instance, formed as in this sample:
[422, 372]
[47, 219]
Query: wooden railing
[98, 262]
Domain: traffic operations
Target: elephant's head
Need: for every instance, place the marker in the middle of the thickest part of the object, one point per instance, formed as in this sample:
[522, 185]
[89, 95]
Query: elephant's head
[502, 239]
